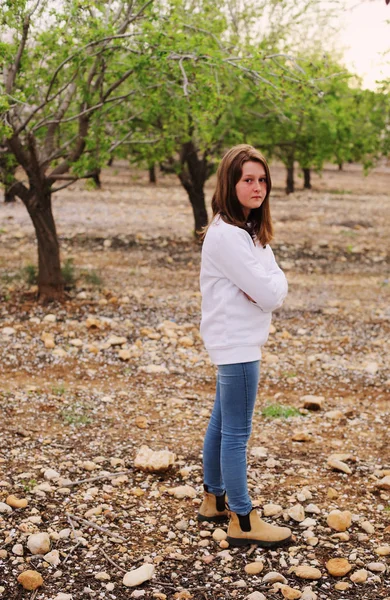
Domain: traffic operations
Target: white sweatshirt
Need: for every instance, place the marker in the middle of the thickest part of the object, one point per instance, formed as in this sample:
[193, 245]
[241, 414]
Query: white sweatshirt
[233, 328]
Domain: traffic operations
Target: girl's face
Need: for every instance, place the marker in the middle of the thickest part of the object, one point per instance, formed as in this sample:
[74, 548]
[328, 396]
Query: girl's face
[251, 189]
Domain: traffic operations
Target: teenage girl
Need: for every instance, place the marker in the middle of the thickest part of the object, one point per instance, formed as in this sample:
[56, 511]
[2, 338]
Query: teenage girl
[241, 285]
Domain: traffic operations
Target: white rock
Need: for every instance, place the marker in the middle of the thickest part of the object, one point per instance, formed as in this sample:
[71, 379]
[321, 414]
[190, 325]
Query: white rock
[137, 594]
[308, 594]
[368, 527]
[339, 465]
[51, 474]
[182, 491]
[53, 557]
[270, 510]
[273, 577]
[219, 534]
[63, 596]
[255, 596]
[313, 508]
[138, 576]
[102, 576]
[259, 452]
[8, 331]
[297, 512]
[18, 549]
[4, 508]
[153, 461]
[376, 567]
[38, 543]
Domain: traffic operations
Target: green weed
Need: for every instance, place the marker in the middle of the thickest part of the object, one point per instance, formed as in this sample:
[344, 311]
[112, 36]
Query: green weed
[58, 390]
[279, 411]
[92, 278]
[68, 272]
[29, 485]
[30, 274]
[76, 415]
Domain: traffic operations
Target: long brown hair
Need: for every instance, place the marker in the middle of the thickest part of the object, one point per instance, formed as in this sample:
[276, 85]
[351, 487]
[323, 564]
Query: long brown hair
[225, 202]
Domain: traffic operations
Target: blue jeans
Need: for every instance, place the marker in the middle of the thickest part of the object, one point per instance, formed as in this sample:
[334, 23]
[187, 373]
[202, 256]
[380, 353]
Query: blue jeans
[228, 432]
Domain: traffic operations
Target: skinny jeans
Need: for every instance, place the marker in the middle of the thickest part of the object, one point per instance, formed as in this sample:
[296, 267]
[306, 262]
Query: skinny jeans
[228, 432]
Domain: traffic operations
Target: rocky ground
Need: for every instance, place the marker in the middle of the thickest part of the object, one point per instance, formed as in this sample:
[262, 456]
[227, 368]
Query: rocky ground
[120, 365]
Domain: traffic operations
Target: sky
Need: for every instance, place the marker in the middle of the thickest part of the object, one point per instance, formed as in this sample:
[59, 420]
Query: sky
[365, 35]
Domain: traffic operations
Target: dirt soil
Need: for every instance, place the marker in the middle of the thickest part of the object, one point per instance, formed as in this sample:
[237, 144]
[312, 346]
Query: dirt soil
[121, 364]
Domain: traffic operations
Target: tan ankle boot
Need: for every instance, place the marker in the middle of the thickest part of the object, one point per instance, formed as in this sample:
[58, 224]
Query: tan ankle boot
[250, 529]
[213, 508]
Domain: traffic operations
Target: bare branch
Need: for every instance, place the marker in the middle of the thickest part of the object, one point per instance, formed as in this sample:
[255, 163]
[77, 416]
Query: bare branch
[186, 82]
[141, 10]
[118, 83]
[49, 140]
[82, 49]
[15, 67]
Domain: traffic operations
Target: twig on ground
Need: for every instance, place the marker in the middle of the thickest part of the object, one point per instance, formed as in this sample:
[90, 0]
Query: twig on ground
[72, 526]
[112, 562]
[101, 529]
[90, 479]
[71, 551]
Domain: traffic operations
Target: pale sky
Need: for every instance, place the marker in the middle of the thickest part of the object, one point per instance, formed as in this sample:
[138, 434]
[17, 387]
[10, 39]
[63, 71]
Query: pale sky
[365, 35]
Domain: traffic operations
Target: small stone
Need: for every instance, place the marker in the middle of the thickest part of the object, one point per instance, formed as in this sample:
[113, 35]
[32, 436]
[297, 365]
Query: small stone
[273, 577]
[38, 543]
[138, 576]
[339, 465]
[219, 534]
[335, 415]
[332, 494]
[30, 580]
[63, 596]
[255, 596]
[308, 594]
[5, 508]
[382, 550]
[339, 521]
[18, 549]
[376, 567]
[102, 576]
[384, 484]
[307, 572]
[359, 576]
[154, 461]
[240, 583]
[302, 436]
[16, 502]
[271, 510]
[313, 509]
[338, 567]
[297, 512]
[3, 553]
[89, 465]
[125, 354]
[368, 527]
[290, 593]
[311, 402]
[51, 474]
[182, 491]
[224, 544]
[254, 568]
[342, 586]
[53, 558]
[259, 452]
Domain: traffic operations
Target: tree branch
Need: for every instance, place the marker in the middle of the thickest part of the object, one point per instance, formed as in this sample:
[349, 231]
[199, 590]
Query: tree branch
[15, 67]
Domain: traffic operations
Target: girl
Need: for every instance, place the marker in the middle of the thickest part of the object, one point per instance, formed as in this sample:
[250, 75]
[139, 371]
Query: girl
[241, 285]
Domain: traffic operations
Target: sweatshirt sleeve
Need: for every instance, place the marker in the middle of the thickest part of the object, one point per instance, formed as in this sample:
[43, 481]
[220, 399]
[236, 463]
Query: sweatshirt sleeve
[234, 257]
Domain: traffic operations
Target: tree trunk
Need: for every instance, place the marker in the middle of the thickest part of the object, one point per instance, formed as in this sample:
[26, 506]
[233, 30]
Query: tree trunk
[197, 199]
[306, 179]
[290, 178]
[340, 165]
[96, 178]
[9, 195]
[193, 175]
[50, 280]
[152, 174]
